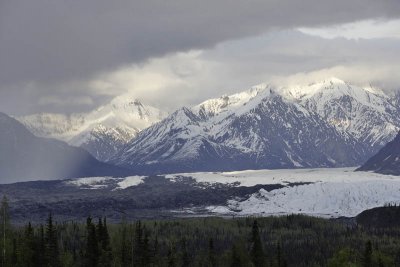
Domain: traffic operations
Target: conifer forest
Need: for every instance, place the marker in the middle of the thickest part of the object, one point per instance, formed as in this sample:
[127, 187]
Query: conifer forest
[291, 240]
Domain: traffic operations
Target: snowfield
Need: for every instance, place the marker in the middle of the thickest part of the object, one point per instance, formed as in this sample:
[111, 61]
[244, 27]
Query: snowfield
[106, 182]
[130, 181]
[328, 192]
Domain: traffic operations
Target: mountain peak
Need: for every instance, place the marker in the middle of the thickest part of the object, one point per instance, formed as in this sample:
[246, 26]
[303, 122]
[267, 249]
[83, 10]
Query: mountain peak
[334, 80]
[226, 103]
[126, 100]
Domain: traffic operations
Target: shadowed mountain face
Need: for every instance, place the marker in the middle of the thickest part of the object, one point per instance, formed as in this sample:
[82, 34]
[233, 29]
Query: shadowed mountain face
[387, 160]
[27, 157]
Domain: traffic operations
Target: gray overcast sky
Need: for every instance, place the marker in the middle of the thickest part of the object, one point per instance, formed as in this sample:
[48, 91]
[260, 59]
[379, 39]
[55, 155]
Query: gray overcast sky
[71, 56]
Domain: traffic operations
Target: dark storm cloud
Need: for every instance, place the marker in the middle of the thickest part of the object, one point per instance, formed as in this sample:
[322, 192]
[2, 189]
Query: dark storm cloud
[54, 41]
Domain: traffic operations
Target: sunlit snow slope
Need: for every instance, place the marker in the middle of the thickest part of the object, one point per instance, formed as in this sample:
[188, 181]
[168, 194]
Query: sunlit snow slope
[103, 131]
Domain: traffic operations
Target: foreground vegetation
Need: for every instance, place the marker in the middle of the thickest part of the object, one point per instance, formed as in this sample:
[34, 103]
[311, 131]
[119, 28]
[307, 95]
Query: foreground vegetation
[293, 240]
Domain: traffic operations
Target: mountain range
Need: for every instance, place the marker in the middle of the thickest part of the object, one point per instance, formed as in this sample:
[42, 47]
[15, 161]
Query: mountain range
[330, 123]
[103, 131]
[27, 157]
[326, 124]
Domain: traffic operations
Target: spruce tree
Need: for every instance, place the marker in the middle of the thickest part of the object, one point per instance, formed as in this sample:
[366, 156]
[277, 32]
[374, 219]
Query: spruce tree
[185, 255]
[14, 254]
[124, 252]
[238, 256]
[92, 249]
[257, 253]
[211, 253]
[100, 231]
[5, 230]
[52, 253]
[41, 248]
[171, 258]
[106, 257]
[155, 252]
[29, 247]
[138, 245]
[146, 254]
[368, 254]
[279, 260]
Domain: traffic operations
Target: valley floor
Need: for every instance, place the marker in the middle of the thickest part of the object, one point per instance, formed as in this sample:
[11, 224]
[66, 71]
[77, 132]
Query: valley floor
[329, 193]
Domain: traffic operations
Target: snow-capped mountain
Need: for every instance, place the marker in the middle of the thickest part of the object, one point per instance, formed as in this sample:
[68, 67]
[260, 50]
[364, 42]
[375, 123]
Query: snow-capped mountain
[367, 114]
[326, 124]
[387, 160]
[27, 157]
[103, 131]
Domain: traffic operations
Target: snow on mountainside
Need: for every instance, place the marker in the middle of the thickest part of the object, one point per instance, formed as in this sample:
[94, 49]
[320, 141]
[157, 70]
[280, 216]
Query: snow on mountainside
[367, 114]
[103, 131]
[326, 124]
[267, 127]
[224, 104]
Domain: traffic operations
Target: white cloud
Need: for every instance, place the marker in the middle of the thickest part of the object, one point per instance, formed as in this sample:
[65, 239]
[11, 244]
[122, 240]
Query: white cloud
[188, 78]
[286, 57]
[364, 75]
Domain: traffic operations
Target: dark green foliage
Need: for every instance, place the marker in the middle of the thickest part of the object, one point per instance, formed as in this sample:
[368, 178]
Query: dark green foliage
[171, 261]
[367, 260]
[382, 217]
[5, 232]
[274, 242]
[280, 259]
[124, 247]
[212, 257]
[92, 246]
[257, 252]
[239, 256]
[41, 247]
[28, 250]
[106, 257]
[343, 258]
[51, 244]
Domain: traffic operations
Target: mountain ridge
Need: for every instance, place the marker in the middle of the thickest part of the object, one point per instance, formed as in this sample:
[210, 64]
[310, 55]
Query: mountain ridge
[387, 160]
[103, 131]
[258, 128]
[330, 123]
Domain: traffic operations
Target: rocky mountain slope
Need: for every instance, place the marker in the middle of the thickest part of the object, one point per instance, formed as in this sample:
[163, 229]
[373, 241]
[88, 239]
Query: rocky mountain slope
[367, 114]
[103, 131]
[387, 160]
[328, 124]
[27, 157]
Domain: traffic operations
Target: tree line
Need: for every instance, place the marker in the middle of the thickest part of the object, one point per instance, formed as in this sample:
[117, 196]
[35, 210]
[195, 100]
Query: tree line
[292, 240]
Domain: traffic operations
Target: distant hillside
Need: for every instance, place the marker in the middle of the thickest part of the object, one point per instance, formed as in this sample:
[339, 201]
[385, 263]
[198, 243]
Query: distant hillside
[380, 217]
[386, 161]
[27, 157]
